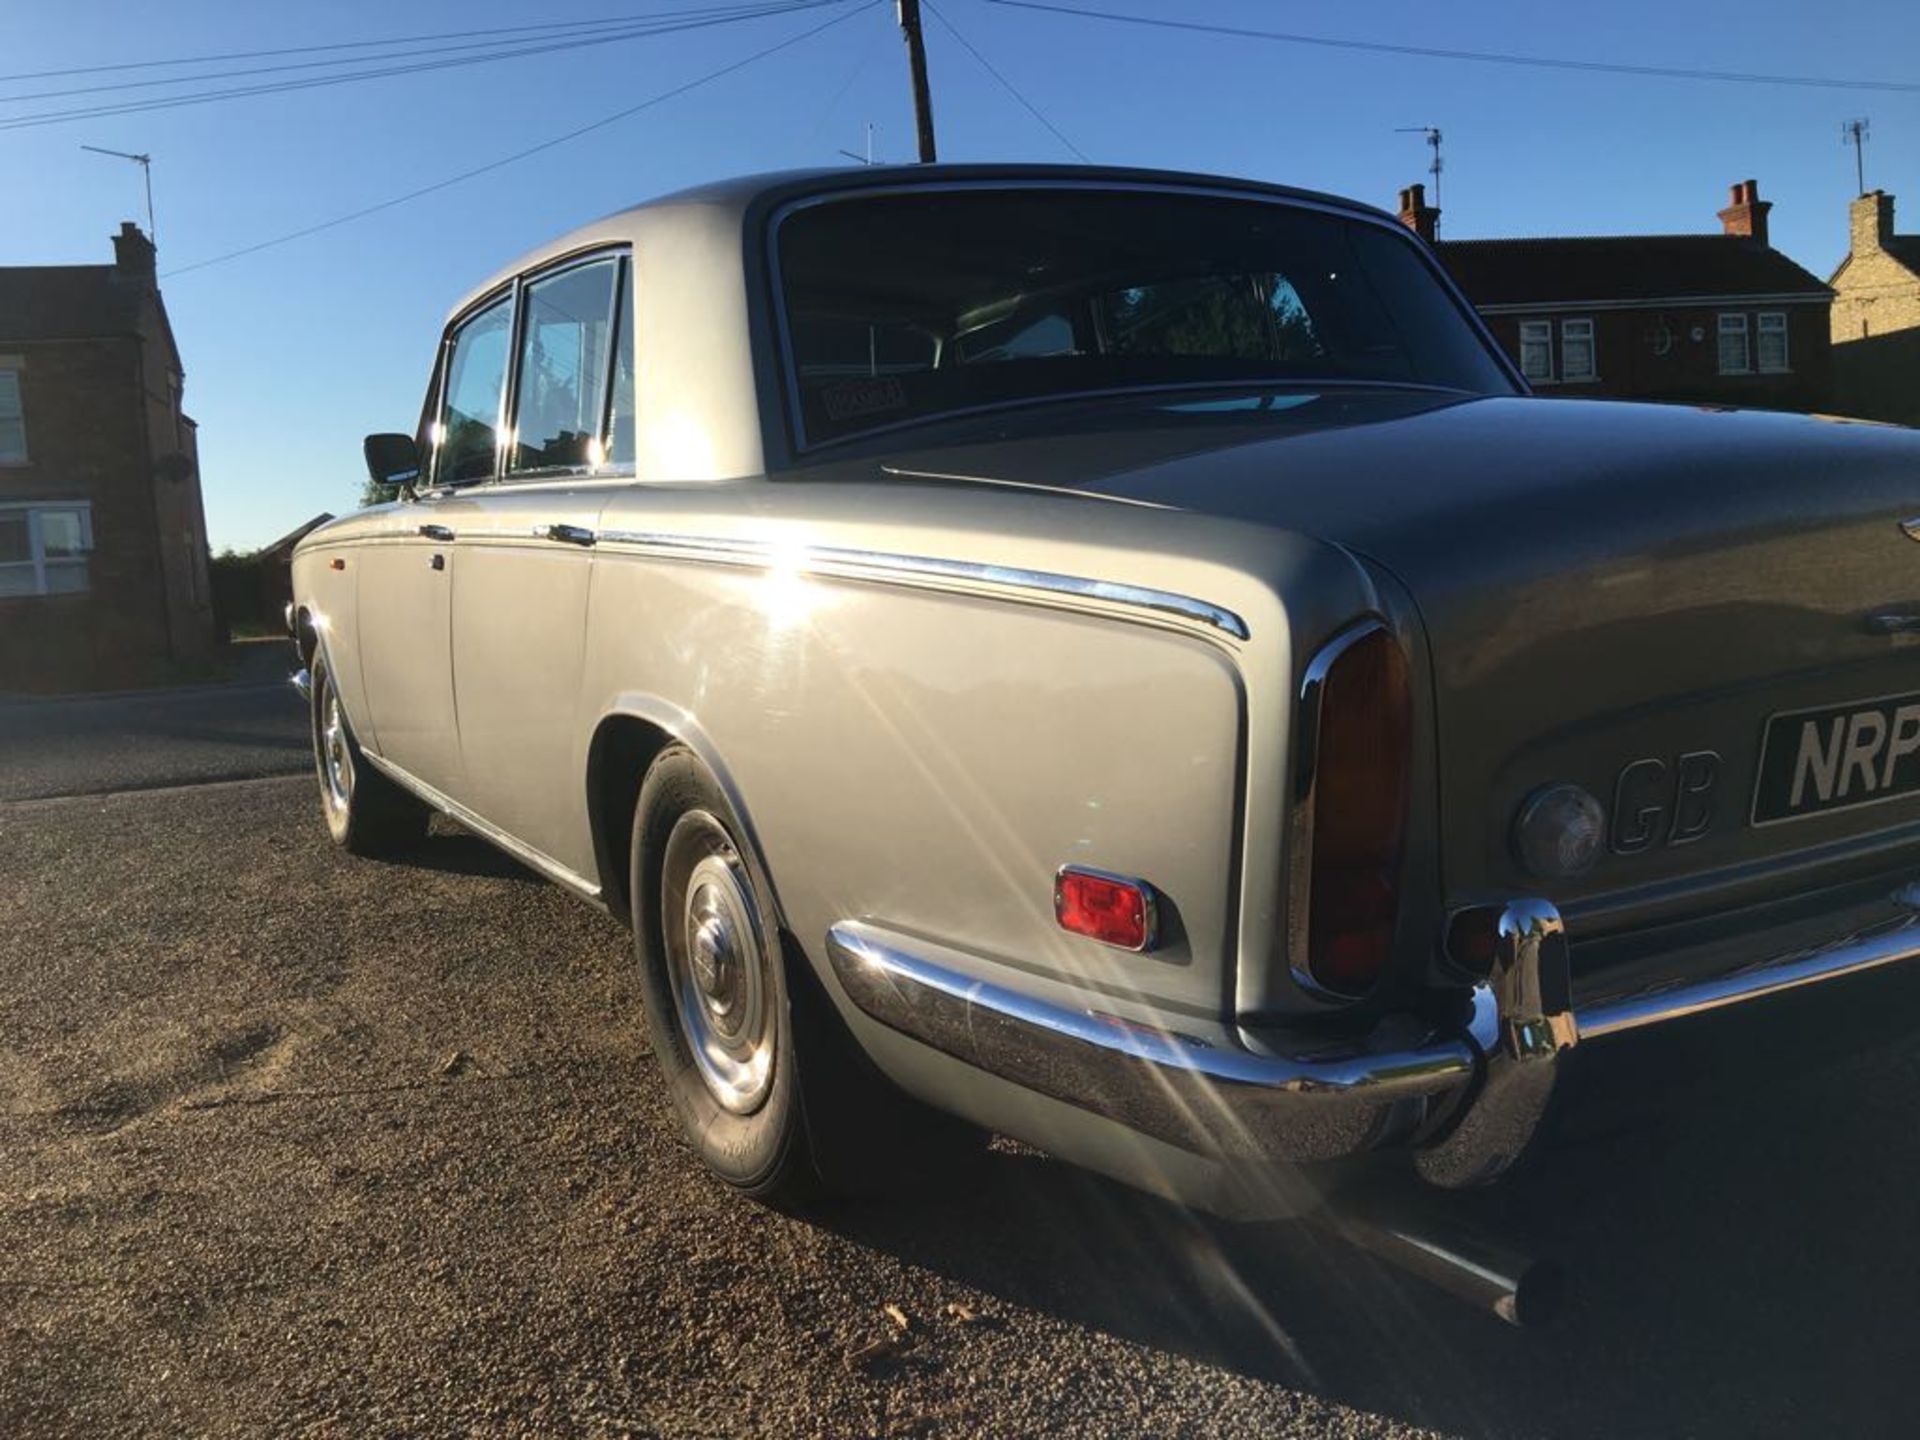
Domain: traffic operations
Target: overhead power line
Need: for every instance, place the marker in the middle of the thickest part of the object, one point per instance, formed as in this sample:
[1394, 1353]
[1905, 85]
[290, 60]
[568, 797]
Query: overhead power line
[601, 30]
[1005, 83]
[315, 49]
[505, 160]
[1487, 57]
[206, 97]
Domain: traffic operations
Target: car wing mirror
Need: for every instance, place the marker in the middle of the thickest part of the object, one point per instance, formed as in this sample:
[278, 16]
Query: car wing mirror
[392, 459]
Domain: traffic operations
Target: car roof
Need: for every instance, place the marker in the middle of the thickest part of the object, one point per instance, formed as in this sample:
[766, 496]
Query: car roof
[764, 192]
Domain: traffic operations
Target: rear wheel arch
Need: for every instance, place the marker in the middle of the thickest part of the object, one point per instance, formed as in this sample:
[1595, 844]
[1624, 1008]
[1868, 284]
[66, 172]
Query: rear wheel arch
[626, 742]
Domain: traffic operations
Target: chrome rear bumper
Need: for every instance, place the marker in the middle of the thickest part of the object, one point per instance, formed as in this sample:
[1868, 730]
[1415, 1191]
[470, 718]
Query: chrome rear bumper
[1468, 1099]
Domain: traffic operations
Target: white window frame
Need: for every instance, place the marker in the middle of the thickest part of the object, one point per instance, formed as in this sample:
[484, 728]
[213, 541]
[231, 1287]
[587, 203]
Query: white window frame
[37, 559]
[1571, 330]
[1771, 323]
[1732, 323]
[13, 415]
[1539, 333]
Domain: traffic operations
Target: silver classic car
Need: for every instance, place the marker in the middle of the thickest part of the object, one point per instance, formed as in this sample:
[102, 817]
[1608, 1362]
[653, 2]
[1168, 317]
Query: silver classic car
[1121, 659]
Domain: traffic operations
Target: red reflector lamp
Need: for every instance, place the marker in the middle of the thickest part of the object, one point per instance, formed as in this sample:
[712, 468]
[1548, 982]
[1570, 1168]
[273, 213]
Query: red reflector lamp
[1109, 908]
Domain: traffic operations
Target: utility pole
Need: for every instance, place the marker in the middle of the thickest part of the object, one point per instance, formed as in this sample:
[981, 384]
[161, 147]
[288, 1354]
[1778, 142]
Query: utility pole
[909, 11]
[1854, 133]
[145, 162]
[1432, 132]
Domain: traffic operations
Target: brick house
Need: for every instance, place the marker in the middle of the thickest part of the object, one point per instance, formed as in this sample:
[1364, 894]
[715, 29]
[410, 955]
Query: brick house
[103, 550]
[1716, 319]
[1876, 316]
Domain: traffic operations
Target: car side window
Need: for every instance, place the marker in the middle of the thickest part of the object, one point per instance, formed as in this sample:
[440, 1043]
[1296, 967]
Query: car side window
[476, 375]
[560, 401]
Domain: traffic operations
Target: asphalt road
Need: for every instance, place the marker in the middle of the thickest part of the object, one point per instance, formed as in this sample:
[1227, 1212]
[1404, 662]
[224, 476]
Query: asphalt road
[297, 1144]
[139, 739]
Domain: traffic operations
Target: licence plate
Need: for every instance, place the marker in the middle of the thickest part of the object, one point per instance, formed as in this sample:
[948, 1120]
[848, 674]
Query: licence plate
[1837, 757]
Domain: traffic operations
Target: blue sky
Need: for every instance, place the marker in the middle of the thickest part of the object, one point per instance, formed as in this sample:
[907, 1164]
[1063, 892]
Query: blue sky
[293, 353]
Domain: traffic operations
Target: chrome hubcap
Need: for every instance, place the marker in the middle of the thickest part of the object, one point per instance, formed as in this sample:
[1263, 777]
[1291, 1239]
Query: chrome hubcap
[718, 966]
[336, 761]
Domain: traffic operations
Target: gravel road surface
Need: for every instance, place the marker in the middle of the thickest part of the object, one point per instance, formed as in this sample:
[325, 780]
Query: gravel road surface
[297, 1144]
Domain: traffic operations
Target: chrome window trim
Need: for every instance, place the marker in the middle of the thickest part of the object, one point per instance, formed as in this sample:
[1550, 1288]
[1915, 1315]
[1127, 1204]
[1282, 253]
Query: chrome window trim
[1306, 764]
[789, 372]
[837, 560]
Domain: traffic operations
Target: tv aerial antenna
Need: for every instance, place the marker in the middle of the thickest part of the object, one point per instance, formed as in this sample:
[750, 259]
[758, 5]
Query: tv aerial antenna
[1432, 134]
[866, 159]
[145, 162]
[1854, 133]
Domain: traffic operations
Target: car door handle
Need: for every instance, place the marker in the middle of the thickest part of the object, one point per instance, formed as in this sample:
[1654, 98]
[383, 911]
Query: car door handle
[436, 532]
[570, 534]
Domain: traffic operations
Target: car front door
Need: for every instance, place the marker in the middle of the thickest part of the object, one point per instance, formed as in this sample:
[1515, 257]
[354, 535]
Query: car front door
[526, 558]
[408, 571]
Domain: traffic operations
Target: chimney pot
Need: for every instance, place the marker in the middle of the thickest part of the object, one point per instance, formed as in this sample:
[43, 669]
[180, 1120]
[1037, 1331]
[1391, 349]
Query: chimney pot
[133, 255]
[1746, 216]
[1418, 216]
[1870, 222]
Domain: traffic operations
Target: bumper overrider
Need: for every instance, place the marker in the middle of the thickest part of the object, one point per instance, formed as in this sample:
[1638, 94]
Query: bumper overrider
[302, 678]
[1466, 1099]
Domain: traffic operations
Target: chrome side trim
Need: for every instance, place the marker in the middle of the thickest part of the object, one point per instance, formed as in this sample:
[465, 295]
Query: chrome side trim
[910, 569]
[1306, 765]
[302, 680]
[1888, 943]
[1304, 1099]
[533, 859]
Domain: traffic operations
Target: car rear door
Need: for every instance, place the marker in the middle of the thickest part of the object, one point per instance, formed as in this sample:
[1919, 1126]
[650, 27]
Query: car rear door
[526, 556]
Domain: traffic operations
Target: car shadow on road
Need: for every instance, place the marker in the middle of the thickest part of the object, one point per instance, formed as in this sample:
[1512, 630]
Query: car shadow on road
[452, 850]
[1744, 1268]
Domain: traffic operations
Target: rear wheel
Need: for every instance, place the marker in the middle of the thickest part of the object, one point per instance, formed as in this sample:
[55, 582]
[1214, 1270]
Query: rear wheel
[769, 1088]
[367, 814]
[713, 980]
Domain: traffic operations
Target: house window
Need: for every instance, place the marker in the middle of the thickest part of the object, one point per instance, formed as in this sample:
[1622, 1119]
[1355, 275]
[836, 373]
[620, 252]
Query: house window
[44, 549]
[1576, 351]
[1536, 349]
[1771, 341]
[13, 420]
[1734, 359]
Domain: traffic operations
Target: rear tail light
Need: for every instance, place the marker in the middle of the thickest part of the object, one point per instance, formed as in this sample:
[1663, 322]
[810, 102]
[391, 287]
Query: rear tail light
[1352, 822]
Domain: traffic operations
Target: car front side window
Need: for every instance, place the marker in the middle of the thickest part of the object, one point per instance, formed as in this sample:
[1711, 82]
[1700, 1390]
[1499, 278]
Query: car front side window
[465, 437]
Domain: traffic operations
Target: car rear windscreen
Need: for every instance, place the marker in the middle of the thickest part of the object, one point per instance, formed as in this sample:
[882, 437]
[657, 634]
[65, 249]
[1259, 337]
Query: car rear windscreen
[919, 303]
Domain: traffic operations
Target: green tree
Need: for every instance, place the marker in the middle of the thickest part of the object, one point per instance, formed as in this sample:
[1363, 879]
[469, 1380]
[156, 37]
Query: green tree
[372, 492]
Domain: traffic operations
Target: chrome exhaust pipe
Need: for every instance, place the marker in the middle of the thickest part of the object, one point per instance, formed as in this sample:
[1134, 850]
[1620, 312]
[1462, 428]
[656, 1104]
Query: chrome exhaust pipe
[1456, 1257]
